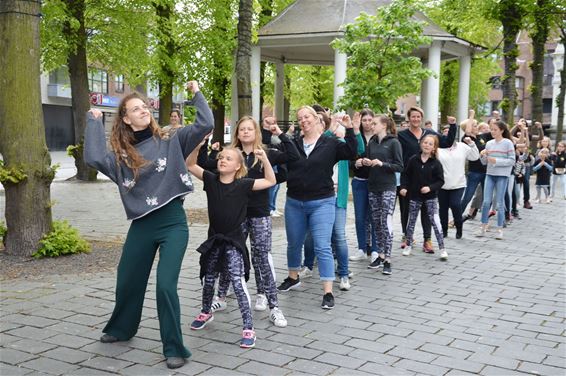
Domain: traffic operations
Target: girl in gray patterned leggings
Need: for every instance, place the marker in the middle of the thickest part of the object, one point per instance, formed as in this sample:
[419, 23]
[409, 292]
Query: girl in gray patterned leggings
[421, 181]
[385, 158]
[248, 138]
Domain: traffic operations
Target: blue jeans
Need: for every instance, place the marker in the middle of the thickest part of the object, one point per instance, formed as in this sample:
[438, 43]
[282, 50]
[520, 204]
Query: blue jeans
[339, 241]
[273, 197]
[317, 217]
[473, 179]
[499, 184]
[308, 248]
[362, 214]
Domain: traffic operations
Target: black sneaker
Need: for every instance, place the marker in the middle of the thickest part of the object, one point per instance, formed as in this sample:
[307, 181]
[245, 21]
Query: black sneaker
[386, 268]
[328, 301]
[289, 284]
[376, 264]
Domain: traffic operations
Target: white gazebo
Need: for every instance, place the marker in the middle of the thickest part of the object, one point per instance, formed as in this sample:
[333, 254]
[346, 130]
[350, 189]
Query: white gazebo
[302, 34]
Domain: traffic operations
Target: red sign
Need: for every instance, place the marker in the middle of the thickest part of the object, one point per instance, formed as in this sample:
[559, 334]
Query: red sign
[95, 98]
[154, 103]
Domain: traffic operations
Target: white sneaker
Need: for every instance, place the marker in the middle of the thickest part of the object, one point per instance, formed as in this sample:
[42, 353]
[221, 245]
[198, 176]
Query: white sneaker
[548, 200]
[499, 234]
[344, 283]
[444, 255]
[305, 273]
[407, 251]
[218, 304]
[277, 318]
[260, 303]
[480, 232]
[276, 213]
[374, 256]
[359, 256]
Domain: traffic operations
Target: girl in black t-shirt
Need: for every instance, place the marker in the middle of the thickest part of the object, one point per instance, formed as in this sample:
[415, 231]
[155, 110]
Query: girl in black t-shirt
[225, 252]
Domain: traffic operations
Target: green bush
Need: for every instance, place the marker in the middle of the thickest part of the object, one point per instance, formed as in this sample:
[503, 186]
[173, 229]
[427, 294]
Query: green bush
[62, 240]
[3, 231]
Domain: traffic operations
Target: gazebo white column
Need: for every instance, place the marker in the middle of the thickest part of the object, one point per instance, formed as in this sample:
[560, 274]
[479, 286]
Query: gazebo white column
[255, 73]
[464, 88]
[279, 92]
[340, 64]
[558, 60]
[433, 85]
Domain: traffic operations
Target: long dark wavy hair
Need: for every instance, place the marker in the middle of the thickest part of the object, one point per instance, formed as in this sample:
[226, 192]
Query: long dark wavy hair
[122, 137]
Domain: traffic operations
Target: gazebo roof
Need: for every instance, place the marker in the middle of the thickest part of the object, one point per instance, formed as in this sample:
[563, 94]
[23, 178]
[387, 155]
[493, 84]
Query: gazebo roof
[301, 34]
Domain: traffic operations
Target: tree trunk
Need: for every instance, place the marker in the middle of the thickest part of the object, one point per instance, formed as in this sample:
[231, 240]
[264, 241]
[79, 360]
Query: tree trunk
[510, 17]
[165, 101]
[78, 73]
[243, 54]
[219, 112]
[167, 51]
[562, 93]
[539, 36]
[22, 132]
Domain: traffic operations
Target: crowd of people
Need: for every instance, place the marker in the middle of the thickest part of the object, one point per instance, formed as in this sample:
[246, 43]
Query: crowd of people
[429, 173]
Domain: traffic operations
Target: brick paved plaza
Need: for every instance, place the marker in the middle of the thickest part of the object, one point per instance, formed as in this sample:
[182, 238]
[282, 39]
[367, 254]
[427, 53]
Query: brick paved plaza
[494, 308]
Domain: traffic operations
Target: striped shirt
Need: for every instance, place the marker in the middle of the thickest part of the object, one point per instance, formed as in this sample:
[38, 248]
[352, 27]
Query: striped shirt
[504, 154]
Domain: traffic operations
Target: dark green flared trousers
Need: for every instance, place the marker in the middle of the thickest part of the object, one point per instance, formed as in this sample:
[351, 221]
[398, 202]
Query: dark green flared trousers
[164, 229]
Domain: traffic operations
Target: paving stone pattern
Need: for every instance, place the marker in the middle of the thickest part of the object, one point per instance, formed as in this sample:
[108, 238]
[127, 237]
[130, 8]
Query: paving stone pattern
[494, 308]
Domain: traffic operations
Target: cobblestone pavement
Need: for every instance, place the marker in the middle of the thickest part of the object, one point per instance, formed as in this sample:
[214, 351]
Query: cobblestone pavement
[494, 308]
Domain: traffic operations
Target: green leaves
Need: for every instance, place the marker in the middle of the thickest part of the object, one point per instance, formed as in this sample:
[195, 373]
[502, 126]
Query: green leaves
[380, 66]
[62, 240]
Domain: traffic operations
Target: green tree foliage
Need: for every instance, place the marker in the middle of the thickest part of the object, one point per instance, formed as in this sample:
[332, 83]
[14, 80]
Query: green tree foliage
[466, 19]
[117, 36]
[310, 84]
[510, 13]
[380, 66]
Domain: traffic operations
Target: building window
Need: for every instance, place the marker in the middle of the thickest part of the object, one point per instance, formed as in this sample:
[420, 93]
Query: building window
[495, 82]
[59, 76]
[98, 81]
[119, 83]
[547, 105]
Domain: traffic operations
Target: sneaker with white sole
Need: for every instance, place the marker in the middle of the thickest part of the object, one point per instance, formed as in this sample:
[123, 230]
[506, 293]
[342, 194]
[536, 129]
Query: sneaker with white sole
[277, 318]
[260, 303]
[499, 234]
[328, 301]
[407, 251]
[374, 256]
[359, 256]
[201, 320]
[444, 255]
[480, 232]
[305, 272]
[248, 339]
[289, 284]
[344, 283]
[218, 304]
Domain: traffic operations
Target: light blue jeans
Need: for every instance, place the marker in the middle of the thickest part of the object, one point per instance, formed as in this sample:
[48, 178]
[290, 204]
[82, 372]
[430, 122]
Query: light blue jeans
[339, 244]
[273, 197]
[339, 241]
[316, 216]
[499, 184]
